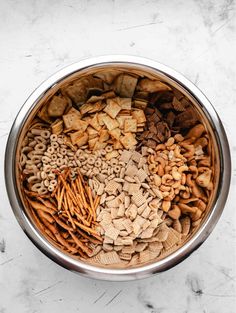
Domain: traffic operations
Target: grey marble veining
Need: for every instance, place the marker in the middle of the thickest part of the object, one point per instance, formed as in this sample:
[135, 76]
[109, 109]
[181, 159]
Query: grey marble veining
[197, 38]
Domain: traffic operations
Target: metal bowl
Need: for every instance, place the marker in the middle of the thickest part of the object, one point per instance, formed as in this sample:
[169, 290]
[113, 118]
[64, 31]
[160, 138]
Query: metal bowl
[151, 69]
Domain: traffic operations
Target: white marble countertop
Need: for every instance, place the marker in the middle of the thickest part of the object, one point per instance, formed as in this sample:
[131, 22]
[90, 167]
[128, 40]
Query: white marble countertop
[197, 38]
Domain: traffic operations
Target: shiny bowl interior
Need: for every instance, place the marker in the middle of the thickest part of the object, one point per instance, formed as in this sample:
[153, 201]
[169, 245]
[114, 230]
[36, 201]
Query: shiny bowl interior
[220, 155]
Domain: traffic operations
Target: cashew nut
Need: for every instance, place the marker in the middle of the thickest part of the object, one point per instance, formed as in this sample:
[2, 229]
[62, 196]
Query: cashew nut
[166, 206]
[194, 171]
[176, 174]
[187, 209]
[183, 168]
[170, 142]
[203, 142]
[176, 184]
[177, 153]
[204, 179]
[195, 216]
[177, 226]
[160, 170]
[178, 137]
[198, 192]
[161, 146]
[175, 212]
[189, 180]
[161, 161]
[157, 180]
[167, 179]
[201, 205]
[186, 201]
[205, 162]
[171, 195]
[190, 151]
[185, 194]
[168, 168]
[186, 224]
[165, 188]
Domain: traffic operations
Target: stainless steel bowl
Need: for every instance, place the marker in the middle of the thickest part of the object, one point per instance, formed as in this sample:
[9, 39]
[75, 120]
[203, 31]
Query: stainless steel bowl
[151, 69]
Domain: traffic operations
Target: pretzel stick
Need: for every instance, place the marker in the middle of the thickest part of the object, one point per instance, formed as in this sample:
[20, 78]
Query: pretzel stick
[81, 191]
[39, 206]
[58, 236]
[96, 202]
[62, 224]
[81, 218]
[80, 244]
[87, 229]
[89, 193]
[46, 216]
[95, 241]
[68, 212]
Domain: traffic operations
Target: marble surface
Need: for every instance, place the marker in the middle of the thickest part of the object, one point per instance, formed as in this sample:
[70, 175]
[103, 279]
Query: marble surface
[197, 38]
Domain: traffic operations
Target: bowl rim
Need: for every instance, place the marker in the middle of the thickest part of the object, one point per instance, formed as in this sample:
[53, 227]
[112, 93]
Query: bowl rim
[90, 270]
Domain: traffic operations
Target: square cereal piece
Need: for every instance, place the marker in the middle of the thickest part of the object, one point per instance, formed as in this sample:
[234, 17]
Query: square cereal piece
[112, 108]
[140, 104]
[128, 225]
[103, 135]
[72, 120]
[121, 120]
[86, 108]
[131, 170]
[100, 118]
[117, 145]
[92, 133]
[139, 116]
[138, 199]
[133, 188]
[81, 141]
[99, 145]
[57, 127]
[112, 232]
[130, 125]
[109, 122]
[76, 135]
[128, 141]
[142, 175]
[92, 143]
[110, 258]
[112, 187]
[94, 122]
[125, 156]
[115, 133]
[75, 111]
[136, 156]
[125, 103]
[98, 106]
[118, 223]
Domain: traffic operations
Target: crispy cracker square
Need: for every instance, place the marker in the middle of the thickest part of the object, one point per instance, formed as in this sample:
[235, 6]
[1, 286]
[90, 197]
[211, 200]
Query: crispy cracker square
[139, 116]
[112, 108]
[110, 122]
[130, 126]
[128, 141]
